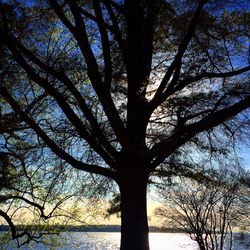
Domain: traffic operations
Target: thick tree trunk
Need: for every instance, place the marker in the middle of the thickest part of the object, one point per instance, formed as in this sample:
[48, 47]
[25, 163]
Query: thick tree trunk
[134, 222]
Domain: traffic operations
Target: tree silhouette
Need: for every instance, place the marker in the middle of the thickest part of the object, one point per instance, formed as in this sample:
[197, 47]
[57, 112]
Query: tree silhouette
[127, 84]
[208, 209]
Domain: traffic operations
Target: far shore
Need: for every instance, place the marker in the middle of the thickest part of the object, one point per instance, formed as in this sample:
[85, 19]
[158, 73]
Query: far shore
[100, 228]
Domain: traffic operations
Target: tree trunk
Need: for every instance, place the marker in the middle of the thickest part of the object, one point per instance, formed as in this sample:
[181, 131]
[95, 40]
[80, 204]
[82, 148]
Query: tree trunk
[134, 222]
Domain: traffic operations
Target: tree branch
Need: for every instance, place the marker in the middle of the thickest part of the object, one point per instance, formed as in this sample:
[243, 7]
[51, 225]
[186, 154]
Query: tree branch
[210, 75]
[105, 43]
[166, 147]
[116, 30]
[160, 94]
[70, 114]
[80, 34]
[95, 169]
[61, 76]
[14, 233]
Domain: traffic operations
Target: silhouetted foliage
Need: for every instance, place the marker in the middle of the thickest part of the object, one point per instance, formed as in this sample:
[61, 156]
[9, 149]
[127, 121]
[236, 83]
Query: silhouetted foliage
[130, 88]
[208, 211]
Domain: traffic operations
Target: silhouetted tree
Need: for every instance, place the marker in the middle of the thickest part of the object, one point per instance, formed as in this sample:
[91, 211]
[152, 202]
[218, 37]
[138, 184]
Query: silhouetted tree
[128, 84]
[207, 210]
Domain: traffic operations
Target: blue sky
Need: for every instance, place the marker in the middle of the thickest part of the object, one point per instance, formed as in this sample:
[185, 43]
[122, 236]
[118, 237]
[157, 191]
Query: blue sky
[245, 154]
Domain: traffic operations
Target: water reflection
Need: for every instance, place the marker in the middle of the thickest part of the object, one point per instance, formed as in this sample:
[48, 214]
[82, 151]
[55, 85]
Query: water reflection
[161, 241]
[111, 241]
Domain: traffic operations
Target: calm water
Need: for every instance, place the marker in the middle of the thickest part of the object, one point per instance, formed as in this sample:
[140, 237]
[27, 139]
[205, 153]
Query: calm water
[110, 241]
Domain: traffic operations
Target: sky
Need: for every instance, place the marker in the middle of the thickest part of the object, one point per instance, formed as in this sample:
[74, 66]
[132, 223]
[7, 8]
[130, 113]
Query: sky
[245, 155]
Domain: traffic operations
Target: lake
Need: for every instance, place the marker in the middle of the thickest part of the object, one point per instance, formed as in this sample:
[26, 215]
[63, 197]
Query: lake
[110, 241]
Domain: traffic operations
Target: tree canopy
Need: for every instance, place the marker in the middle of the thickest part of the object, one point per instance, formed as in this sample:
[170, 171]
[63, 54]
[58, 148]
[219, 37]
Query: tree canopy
[123, 88]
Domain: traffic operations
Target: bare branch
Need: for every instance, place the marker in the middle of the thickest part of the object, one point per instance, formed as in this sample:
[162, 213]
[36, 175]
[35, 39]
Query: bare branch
[166, 147]
[175, 66]
[52, 145]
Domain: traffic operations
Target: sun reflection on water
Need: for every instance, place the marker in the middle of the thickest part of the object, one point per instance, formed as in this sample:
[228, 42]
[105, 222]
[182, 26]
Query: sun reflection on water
[171, 241]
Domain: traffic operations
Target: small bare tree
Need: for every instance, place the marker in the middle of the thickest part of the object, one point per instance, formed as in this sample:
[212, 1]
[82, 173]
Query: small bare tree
[207, 210]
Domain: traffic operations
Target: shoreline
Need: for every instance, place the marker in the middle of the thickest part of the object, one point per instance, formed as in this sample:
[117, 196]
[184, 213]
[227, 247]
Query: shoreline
[98, 228]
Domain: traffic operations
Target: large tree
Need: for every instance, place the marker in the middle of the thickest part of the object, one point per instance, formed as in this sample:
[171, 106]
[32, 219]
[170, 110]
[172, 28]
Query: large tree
[128, 84]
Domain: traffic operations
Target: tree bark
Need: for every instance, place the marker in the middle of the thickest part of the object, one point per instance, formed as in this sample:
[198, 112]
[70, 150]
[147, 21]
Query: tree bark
[134, 222]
